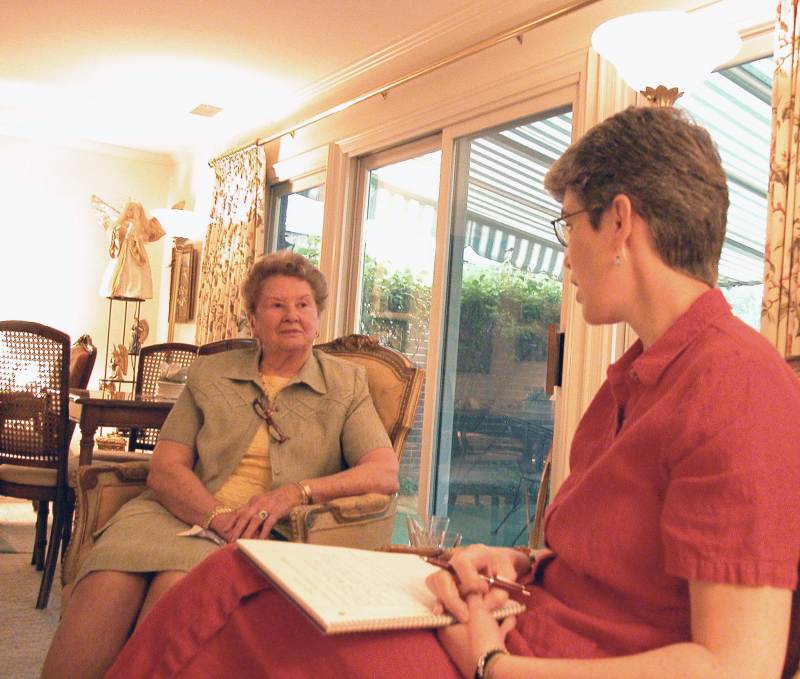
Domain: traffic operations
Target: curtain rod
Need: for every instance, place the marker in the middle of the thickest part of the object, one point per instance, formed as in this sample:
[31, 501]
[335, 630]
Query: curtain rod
[516, 32]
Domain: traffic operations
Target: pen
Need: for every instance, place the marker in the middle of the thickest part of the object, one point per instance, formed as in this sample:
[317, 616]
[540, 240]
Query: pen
[493, 580]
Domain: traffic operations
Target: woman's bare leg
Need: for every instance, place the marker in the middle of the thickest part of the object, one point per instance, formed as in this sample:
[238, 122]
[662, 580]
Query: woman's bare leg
[95, 625]
[161, 583]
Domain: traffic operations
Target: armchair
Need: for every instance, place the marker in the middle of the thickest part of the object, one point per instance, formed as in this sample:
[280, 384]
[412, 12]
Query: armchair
[360, 521]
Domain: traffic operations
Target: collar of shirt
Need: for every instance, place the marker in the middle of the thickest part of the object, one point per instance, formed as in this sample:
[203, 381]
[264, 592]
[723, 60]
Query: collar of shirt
[636, 366]
[248, 370]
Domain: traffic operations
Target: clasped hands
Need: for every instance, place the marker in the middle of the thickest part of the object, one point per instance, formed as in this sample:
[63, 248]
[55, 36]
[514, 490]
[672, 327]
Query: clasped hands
[471, 601]
[256, 518]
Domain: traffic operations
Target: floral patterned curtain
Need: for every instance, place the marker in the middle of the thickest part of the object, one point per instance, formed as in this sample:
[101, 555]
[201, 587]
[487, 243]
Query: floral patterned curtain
[780, 311]
[237, 212]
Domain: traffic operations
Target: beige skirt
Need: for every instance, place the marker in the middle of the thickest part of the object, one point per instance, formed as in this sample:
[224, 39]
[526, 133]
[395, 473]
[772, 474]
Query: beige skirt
[142, 537]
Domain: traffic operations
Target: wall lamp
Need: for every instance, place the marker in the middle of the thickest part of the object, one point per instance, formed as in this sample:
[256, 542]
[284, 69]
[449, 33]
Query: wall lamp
[664, 54]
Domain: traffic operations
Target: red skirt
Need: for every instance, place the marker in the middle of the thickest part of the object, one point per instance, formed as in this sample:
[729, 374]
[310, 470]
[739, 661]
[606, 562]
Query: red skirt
[226, 619]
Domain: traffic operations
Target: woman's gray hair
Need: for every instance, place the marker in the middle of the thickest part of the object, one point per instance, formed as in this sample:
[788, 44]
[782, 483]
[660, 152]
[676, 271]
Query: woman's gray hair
[669, 168]
[283, 263]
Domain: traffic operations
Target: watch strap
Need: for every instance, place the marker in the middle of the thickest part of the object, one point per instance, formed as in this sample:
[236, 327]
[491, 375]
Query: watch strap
[481, 670]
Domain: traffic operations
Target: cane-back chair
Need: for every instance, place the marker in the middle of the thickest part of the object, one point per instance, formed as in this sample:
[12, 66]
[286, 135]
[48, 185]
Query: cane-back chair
[34, 449]
[226, 345]
[148, 371]
[364, 521]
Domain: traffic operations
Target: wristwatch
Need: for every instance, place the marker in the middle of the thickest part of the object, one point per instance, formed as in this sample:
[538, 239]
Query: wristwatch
[481, 671]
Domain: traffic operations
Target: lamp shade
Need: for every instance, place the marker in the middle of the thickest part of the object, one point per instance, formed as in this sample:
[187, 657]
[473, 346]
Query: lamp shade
[669, 49]
[181, 223]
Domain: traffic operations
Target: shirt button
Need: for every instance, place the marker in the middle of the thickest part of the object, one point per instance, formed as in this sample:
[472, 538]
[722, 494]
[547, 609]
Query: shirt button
[634, 375]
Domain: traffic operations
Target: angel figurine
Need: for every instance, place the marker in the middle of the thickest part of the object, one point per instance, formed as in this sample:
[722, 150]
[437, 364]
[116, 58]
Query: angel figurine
[127, 275]
[119, 361]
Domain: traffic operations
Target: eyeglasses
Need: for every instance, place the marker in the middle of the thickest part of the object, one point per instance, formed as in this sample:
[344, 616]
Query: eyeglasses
[562, 228]
[264, 410]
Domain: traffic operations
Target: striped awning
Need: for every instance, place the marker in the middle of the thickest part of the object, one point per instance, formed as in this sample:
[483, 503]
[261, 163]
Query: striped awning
[508, 210]
[735, 106]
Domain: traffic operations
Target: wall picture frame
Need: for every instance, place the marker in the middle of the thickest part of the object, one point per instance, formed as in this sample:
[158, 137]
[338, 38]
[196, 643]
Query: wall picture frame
[182, 287]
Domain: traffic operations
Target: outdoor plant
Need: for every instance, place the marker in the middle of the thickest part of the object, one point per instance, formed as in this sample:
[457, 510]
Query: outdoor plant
[494, 299]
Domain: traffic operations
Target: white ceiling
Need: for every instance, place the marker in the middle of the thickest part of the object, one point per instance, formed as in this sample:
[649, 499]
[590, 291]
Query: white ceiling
[127, 72]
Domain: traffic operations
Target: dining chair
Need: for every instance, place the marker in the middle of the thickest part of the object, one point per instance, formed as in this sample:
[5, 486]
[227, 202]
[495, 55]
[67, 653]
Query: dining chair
[148, 372]
[226, 345]
[34, 448]
[82, 357]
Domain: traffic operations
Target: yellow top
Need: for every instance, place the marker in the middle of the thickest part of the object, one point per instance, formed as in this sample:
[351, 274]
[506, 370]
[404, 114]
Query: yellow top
[254, 473]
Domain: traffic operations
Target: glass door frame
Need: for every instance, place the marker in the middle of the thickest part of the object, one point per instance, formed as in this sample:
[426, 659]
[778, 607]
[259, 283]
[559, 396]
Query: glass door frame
[354, 258]
[552, 98]
[278, 191]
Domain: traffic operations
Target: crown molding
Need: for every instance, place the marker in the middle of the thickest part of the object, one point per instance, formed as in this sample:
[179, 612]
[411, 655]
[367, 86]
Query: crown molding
[565, 70]
[466, 20]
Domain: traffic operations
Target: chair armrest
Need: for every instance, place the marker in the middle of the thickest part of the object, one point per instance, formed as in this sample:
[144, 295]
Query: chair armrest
[361, 521]
[100, 490]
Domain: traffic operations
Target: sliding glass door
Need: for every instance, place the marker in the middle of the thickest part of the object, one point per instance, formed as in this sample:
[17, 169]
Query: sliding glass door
[398, 193]
[479, 326]
[735, 105]
[296, 219]
[504, 290]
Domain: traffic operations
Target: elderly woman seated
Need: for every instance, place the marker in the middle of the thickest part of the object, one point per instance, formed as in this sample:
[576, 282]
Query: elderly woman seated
[255, 433]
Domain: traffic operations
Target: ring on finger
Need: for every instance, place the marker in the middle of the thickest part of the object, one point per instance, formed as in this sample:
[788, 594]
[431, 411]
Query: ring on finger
[263, 515]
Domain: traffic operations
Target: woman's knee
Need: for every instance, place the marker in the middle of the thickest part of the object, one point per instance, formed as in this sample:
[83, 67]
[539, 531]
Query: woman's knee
[158, 587]
[110, 587]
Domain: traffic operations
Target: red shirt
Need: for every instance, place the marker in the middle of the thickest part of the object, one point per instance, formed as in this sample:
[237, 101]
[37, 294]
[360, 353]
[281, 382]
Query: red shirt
[686, 466]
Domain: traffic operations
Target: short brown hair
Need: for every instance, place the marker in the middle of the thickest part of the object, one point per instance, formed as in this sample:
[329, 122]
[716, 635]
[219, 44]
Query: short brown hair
[283, 263]
[670, 169]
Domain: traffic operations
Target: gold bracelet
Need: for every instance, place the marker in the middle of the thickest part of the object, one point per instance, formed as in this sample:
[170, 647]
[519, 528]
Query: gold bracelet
[214, 513]
[305, 493]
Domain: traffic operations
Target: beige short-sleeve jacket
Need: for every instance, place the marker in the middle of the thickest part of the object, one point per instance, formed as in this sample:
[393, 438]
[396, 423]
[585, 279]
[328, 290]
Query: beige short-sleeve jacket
[325, 410]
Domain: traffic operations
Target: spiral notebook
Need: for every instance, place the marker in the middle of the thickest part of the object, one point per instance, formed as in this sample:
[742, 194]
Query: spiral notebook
[354, 590]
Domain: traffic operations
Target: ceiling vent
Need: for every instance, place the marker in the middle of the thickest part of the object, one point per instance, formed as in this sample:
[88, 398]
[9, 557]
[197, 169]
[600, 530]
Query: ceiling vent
[205, 110]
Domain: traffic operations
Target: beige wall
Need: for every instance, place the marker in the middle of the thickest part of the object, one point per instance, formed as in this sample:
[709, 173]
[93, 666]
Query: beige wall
[52, 248]
[192, 182]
